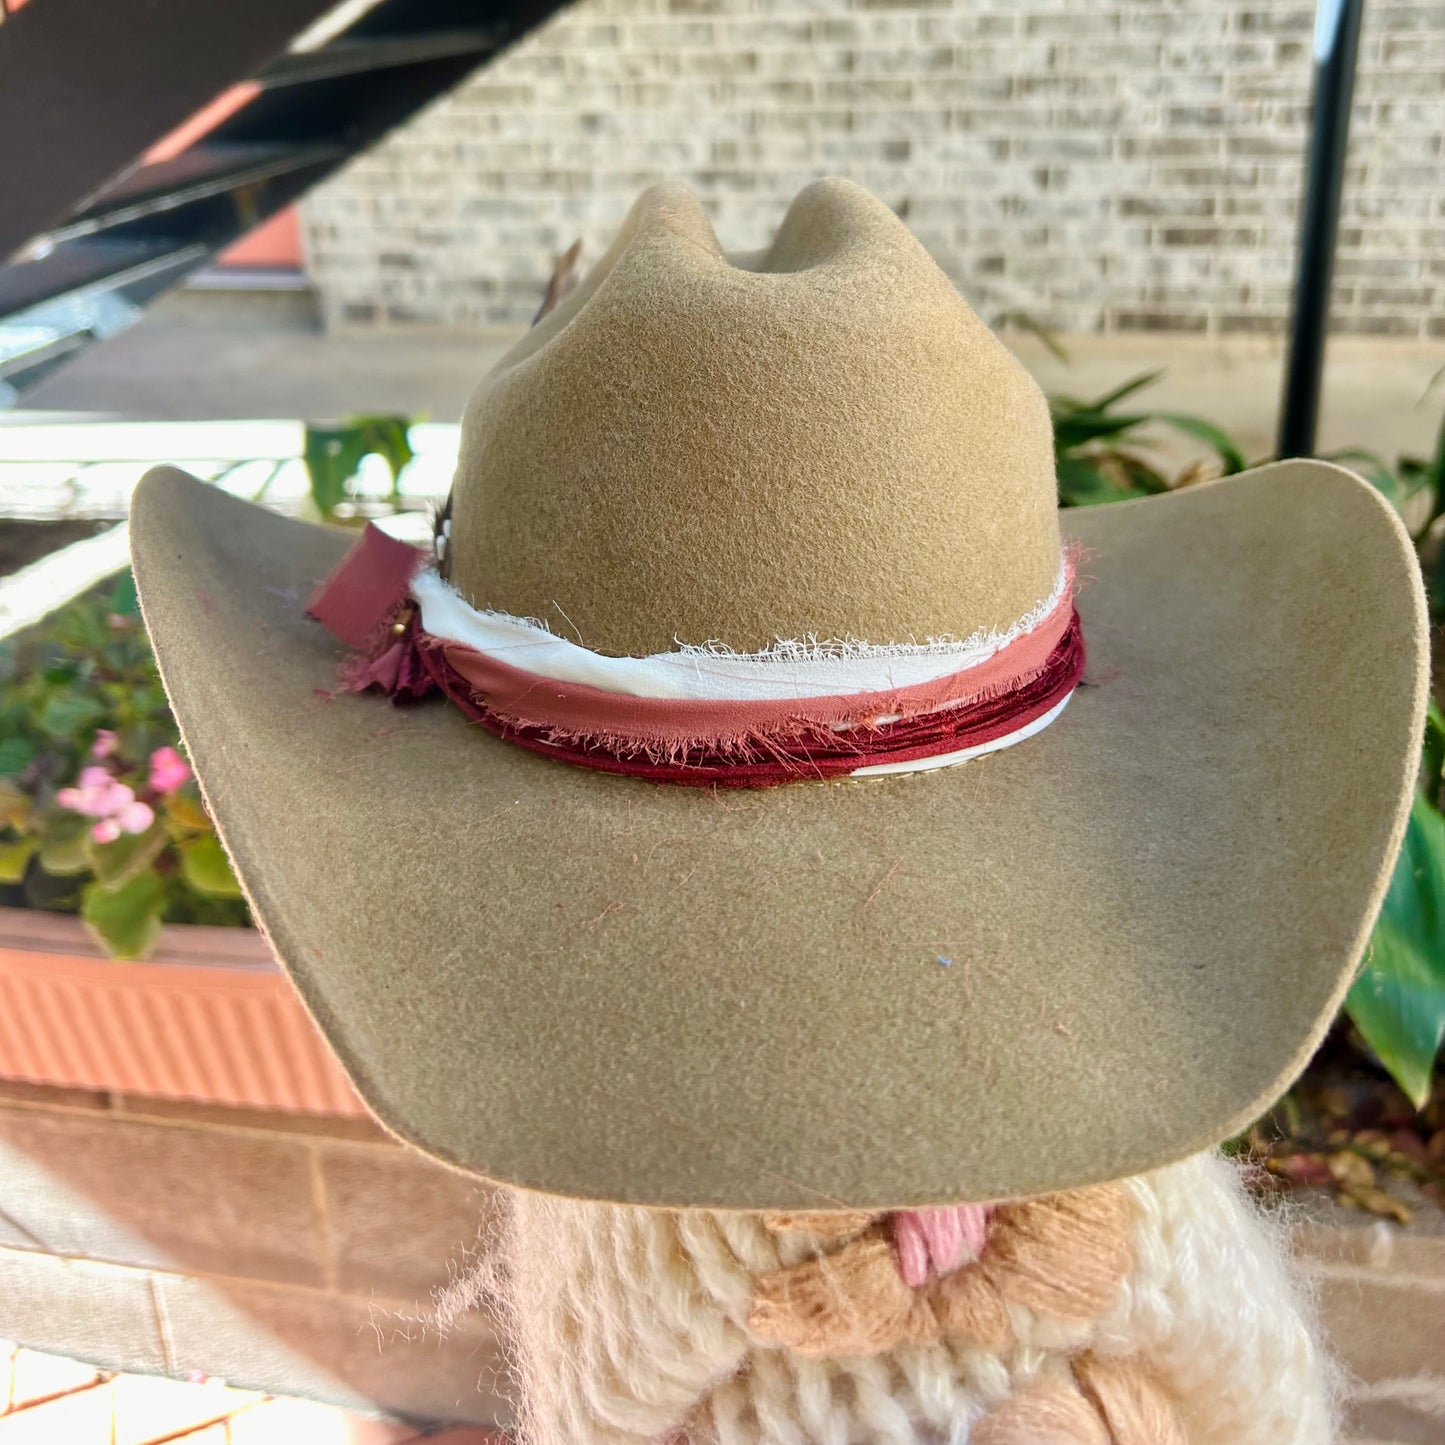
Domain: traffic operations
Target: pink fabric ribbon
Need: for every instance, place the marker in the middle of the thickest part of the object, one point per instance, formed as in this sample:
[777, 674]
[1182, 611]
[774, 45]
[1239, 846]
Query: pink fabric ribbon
[362, 595]
[366, 603]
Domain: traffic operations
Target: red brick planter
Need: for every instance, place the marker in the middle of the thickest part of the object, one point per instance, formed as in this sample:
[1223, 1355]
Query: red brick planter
[210, 1017]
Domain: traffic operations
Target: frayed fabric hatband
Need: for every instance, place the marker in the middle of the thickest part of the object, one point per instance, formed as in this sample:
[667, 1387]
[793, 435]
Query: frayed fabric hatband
[700, 715]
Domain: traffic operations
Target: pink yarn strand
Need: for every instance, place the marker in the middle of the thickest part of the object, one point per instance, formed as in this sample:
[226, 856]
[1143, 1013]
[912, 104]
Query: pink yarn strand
[938, 1241]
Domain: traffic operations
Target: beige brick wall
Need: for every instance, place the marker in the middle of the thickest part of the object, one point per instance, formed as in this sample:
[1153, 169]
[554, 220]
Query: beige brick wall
[284, 1252]
[299, 1254]
[1114, 167]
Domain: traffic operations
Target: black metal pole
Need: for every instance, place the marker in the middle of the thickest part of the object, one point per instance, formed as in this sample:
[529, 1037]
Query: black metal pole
[1337, 42]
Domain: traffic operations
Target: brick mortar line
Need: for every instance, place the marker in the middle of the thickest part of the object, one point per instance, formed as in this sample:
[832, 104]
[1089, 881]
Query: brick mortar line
[101, 1383]
[321, 1207]
[386, 1303]
[800, 50]
[162, 1317]
[21, 1229]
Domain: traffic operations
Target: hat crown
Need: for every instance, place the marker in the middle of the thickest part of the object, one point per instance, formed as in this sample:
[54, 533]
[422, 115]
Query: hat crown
[818, 440]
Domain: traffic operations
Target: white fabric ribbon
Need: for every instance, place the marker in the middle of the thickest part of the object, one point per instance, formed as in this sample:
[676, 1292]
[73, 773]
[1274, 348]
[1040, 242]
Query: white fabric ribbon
[709, 673]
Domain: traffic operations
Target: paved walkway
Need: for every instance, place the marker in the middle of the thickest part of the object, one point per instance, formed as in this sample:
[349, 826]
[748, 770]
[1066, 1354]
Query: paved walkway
[171, 367]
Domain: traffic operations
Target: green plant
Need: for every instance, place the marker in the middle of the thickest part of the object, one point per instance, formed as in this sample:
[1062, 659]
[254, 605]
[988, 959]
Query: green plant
[1415, 487]
[333, 456]
[1094, 463]
[99, 814]
[1398, 1002]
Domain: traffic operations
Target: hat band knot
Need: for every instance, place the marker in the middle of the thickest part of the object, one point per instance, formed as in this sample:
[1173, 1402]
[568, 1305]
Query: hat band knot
[702, 715]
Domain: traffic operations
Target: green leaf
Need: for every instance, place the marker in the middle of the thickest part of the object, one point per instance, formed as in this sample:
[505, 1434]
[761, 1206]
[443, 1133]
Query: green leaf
[1435, 474]
[123, 599]
[1077, 429]
[184, 814]
[51, 894]
[1433, 752]
[1035, 328]
[1134, 474]
[16, 805]
[205, 867]
[389, 437]
[1374, 469]
[332, 456]
[1137, 383]
[1398, 1001]
[130, 854]
[126, 921]
[15, 859]
[80, 630]
[16, 754]
[1084, 482]
[69, 712]
[1229, 454]
[63, 843]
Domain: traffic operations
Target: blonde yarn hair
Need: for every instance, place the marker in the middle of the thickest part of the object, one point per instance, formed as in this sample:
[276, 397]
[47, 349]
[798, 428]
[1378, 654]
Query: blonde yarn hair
[633, 1326]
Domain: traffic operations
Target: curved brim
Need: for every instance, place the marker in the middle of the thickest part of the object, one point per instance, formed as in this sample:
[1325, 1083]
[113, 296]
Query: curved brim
[1080, 958]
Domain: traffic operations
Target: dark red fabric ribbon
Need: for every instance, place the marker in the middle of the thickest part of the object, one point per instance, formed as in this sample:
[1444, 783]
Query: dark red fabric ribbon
[366, 603]
[812, 752]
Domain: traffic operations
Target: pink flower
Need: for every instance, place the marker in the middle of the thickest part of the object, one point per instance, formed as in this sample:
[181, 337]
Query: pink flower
[98, 795]
[104, 744]
[135, 817]
[112, 804]
[168, 770]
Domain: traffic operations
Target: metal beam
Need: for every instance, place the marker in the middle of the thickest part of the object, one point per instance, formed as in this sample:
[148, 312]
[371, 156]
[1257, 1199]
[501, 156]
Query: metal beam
[86, 87]
[1337, 42]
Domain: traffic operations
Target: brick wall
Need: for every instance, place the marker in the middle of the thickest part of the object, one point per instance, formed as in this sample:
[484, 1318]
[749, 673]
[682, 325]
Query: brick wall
[1110, 167]
[286, 1252]
[298, 1254]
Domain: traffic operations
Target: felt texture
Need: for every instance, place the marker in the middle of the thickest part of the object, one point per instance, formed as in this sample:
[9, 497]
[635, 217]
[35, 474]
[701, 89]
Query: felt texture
[1072, 961]
[824, 440]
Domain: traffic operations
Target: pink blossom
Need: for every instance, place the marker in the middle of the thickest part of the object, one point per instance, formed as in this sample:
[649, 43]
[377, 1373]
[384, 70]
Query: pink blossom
[135, 817]
[104, 744]
[112, 804]
[168, 770]
[99, 795]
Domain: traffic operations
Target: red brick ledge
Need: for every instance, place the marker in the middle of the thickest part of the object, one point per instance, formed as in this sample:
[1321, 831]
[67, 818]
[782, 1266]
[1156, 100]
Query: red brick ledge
[209, 1018]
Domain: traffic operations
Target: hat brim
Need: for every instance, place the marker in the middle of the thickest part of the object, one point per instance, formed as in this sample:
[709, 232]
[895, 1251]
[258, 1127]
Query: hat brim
[1081, 958]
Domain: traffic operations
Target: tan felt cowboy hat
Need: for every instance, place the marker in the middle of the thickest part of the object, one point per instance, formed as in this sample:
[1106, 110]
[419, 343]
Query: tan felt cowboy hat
[790, 518]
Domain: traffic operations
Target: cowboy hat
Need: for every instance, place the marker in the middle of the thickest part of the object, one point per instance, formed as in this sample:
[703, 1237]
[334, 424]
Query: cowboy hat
[790, 518]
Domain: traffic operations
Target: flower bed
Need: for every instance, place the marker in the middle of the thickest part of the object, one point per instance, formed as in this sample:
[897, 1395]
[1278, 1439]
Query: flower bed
[100, 814]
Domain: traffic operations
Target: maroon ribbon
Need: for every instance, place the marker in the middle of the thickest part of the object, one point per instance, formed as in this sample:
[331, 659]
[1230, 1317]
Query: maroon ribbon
[809, 753]
[366, 603]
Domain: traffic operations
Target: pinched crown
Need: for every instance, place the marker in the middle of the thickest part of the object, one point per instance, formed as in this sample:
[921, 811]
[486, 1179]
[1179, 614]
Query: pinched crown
[818, 440]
